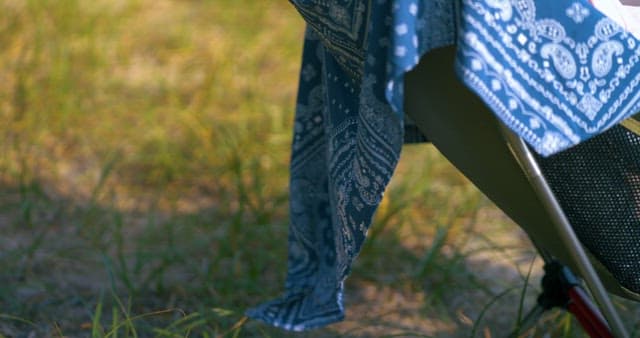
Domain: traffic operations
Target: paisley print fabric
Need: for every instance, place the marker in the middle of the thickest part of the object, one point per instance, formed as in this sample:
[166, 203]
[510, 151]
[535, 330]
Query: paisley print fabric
[342, 24]
[557, 72]
[625, 13]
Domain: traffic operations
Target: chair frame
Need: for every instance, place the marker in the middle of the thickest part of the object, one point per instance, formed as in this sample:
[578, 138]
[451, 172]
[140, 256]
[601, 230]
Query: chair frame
[533, 172]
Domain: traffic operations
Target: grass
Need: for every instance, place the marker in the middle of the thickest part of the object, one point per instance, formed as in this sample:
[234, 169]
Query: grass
[143, 186]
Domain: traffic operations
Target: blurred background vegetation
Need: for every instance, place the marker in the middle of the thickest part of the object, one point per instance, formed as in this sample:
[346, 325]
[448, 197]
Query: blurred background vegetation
[144, 148]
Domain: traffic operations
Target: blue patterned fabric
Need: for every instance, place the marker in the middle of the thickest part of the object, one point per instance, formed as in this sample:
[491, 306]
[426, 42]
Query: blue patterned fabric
[557, 72]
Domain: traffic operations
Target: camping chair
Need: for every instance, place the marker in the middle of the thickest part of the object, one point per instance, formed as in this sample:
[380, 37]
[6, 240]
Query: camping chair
[580, 208]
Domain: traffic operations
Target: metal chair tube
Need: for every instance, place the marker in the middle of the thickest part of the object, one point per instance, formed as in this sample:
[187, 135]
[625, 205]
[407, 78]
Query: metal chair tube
[568, 236]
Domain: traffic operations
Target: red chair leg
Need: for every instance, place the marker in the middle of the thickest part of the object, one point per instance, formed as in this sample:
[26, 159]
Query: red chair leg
[587, 314]
[560, 288]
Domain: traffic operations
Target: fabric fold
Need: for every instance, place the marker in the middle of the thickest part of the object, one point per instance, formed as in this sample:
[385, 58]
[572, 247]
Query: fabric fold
[557, 72]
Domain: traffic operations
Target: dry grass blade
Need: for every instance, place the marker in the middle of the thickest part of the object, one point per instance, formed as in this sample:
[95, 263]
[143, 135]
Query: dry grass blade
[144, 156]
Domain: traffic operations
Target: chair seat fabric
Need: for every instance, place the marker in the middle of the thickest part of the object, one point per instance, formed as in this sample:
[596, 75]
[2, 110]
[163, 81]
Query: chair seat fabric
[597, 183]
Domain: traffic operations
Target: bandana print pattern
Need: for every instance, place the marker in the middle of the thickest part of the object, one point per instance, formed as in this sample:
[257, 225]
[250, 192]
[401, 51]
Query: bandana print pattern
[556, 71]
